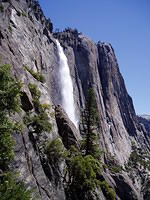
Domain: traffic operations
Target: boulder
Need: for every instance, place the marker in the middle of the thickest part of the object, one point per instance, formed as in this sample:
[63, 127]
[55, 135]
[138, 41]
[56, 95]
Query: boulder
[66, 129]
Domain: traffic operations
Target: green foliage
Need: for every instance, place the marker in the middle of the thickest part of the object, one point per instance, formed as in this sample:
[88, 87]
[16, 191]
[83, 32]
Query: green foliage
[6, 142]
[133, 158]
[37, 75]
[40, 121]
[45, 106]
[9, 91]
[138, 157]
[11, 189]
[10, 29]
[2, 8]
[91, 107]
[83, 165]
[116, 169]
[104, 166]
[34, 90]
[9, 104]
[92, 149]
[83, 173]
[89, 124]
[24, 14]
[72, 152]
[112, 164]
[36, 95]
[108, 192]
[84, 176]
[54, 150]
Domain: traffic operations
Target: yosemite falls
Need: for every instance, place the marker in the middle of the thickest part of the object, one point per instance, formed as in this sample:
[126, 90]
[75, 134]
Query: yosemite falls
[66, 85]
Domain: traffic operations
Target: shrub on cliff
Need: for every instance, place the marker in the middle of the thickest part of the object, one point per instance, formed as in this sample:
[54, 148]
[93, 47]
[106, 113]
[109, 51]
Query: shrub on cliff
[6, 142]
[9, 91]
[9, 104]
[54, 150]
[108, 192]
[40, 120]
[83, 176]
[37, 75]
[11, 189]
[2, 8]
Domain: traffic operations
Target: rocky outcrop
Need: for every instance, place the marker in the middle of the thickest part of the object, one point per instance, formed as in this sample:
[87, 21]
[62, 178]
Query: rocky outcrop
[66, 129]
[124, 188]
[26, 38]
[145, 120]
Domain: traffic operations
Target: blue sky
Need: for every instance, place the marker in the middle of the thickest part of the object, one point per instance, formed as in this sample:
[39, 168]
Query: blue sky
[123, 23]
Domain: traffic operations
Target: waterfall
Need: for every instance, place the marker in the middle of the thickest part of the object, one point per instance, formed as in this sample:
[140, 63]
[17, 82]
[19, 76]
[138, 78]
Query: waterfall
[66, 85]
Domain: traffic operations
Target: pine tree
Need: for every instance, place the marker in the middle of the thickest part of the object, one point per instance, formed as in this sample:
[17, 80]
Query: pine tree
[89, 126]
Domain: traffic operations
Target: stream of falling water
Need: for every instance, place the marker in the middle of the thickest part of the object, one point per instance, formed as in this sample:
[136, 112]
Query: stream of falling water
[66, 85]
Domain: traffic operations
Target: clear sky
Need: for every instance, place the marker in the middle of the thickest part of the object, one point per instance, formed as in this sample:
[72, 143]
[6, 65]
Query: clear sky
[123, 23]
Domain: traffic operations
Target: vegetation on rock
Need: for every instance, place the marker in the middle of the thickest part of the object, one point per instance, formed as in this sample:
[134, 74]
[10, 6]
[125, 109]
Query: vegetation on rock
[112, 164]
[2, 8]
[138, 157]
[37, 75]
[54, 150]
[83, 174]
[40, 120]
[83, 165]
[108, 192]
[10, 187]
[9, 104]
[89, 127]
[9, 91]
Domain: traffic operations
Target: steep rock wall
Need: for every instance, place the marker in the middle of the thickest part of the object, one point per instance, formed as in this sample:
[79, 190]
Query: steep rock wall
[26, 38]
[95, 65]
[145, 120]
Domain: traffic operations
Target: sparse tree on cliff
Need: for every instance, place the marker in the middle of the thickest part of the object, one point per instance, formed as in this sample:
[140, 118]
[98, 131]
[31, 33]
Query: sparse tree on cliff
[89, 126]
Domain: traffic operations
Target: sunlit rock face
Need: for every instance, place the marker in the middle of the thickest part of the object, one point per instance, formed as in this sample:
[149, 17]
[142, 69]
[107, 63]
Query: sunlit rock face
[145, 120]
[28, 40]
[95, 65]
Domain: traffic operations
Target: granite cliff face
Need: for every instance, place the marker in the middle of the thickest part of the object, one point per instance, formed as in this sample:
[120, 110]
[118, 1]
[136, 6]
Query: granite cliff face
[145, 119]
[27, 39]
[95, 65]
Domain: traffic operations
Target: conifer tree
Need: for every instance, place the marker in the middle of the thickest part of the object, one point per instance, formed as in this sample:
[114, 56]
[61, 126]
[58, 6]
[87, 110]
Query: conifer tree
[89, 126]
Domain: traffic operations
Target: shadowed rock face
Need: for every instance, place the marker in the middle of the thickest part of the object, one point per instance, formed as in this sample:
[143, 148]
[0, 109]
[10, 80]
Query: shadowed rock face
[124, 188]
[66, 129]
[27, 39]
[26, 100]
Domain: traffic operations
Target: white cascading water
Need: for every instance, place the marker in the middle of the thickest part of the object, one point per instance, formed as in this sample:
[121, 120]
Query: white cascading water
[66, 85]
